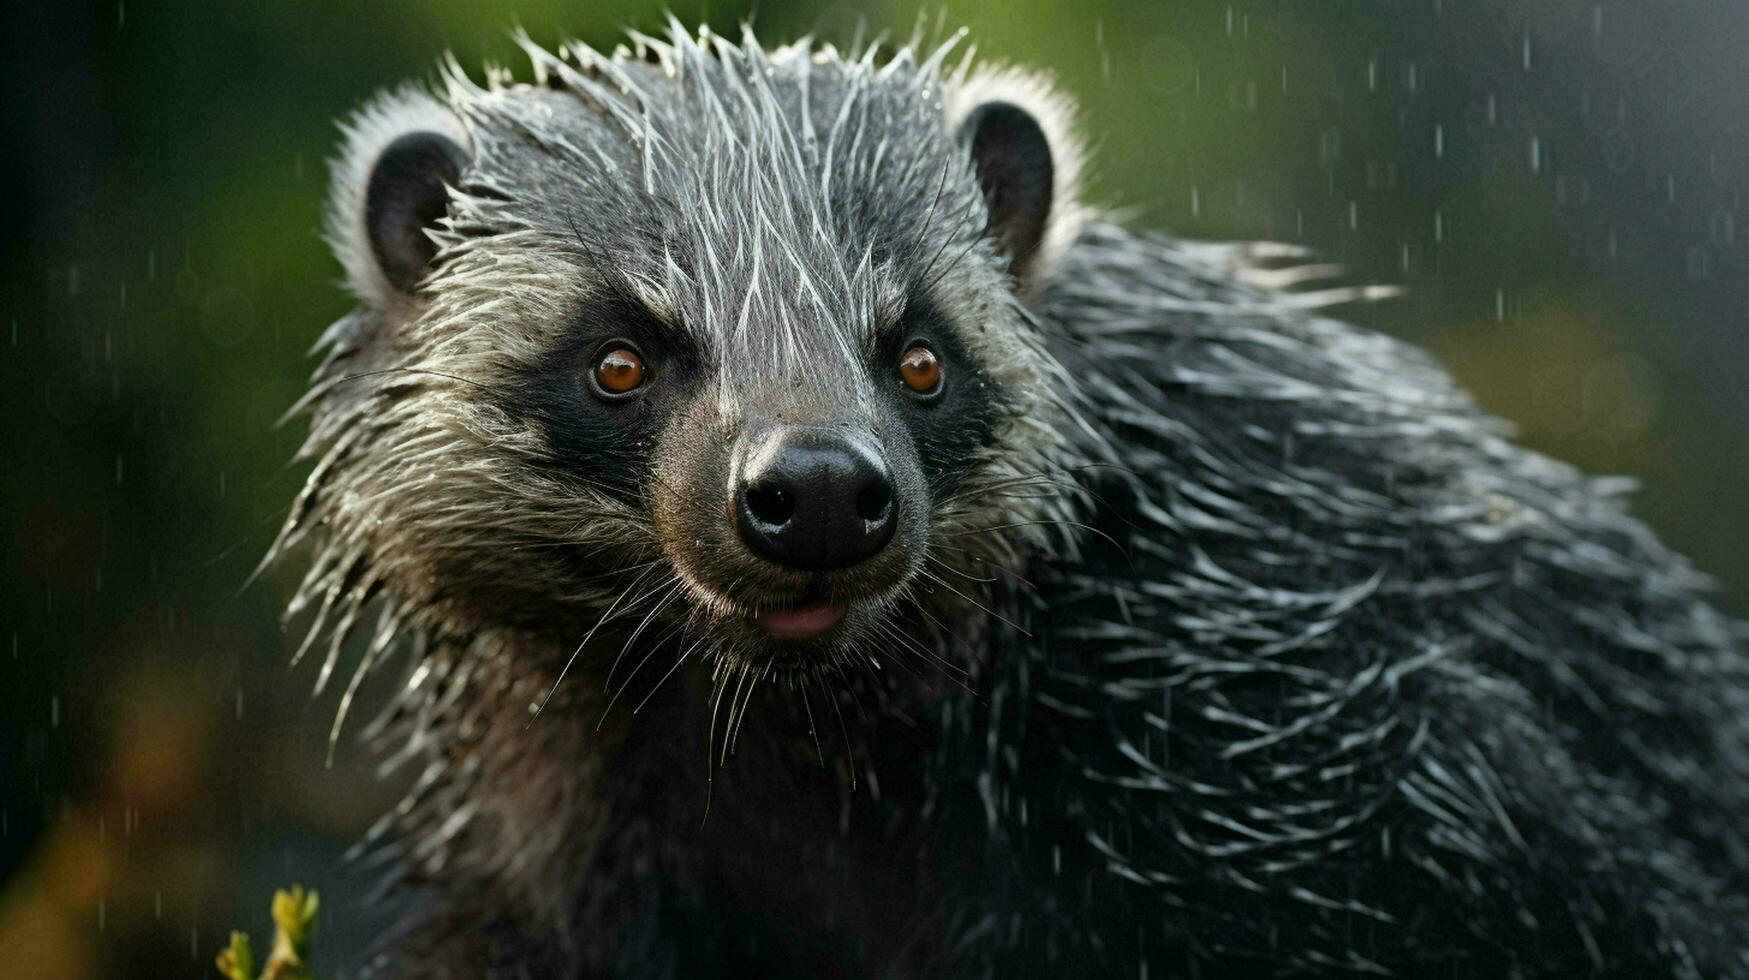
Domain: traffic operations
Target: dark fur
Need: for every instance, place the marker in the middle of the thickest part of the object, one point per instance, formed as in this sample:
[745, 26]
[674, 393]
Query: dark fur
[1333, 679]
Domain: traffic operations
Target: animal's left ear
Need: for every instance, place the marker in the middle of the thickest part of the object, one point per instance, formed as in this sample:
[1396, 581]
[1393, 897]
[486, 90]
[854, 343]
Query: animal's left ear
[1019, 135]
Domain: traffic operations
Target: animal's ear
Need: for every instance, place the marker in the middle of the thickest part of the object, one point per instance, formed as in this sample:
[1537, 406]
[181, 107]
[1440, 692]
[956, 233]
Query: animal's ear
[1019, 135]
[402, 153]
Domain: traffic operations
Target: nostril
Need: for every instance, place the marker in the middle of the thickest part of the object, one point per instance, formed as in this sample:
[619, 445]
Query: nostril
[771, 504]
[813, 498]
[875, 500]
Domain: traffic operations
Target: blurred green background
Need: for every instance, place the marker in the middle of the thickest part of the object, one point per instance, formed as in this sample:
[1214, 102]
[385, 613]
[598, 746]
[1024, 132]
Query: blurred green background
[1558, 181]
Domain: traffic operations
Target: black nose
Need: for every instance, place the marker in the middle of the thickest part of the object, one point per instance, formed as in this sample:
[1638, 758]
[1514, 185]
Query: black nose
[815, 499]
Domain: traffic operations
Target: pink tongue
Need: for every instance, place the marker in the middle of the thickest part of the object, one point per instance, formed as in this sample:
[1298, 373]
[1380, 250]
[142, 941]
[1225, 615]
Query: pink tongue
[801, 622]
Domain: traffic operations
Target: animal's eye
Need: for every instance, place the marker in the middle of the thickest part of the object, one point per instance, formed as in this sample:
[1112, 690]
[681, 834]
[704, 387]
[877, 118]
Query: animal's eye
[619, 370]
[920, 369]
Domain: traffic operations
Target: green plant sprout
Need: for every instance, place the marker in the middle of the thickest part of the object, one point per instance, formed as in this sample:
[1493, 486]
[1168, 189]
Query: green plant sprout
[294, 925]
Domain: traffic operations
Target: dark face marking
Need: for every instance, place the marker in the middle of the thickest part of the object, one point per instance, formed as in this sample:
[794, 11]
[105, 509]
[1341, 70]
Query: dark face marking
[605, 437]
[791, 545]
[947, 424]
[597, 434]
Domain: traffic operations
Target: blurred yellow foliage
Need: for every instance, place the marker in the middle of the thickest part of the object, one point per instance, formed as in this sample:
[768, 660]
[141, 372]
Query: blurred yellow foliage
[294, 925]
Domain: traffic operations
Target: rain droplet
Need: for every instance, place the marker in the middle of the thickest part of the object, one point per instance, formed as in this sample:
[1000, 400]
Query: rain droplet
[1721, 229]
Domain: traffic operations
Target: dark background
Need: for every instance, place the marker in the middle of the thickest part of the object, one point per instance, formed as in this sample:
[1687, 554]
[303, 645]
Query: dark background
[1559, 183]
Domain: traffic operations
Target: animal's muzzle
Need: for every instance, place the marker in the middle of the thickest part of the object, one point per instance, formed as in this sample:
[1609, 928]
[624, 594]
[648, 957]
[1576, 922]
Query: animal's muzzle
[813, 498]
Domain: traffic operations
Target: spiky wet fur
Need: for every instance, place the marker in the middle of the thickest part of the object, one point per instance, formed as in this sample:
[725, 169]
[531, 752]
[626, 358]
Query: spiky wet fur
[1248, 644]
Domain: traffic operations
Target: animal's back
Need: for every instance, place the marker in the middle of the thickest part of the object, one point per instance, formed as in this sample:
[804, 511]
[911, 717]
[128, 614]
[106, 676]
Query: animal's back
[1354, 681]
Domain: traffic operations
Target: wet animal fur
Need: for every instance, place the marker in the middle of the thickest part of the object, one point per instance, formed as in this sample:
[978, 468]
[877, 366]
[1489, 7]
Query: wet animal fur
[1246, 643]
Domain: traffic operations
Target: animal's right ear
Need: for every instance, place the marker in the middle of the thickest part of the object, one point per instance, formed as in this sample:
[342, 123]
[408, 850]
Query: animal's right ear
[402, 153]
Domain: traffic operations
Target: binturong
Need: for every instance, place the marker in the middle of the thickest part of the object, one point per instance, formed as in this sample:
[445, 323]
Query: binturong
[821, 545]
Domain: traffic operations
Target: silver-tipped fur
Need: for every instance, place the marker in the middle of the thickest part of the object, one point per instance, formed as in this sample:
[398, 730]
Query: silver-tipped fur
[1216, 635]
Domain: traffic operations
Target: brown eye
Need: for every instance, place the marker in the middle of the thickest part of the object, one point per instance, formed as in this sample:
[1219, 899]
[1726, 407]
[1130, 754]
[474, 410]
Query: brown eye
[920, 369]
[620, 371]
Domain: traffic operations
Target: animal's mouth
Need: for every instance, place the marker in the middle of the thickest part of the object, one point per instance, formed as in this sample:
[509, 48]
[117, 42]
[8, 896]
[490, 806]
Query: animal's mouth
[803, 621]
[789, 621]
[805, 616]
